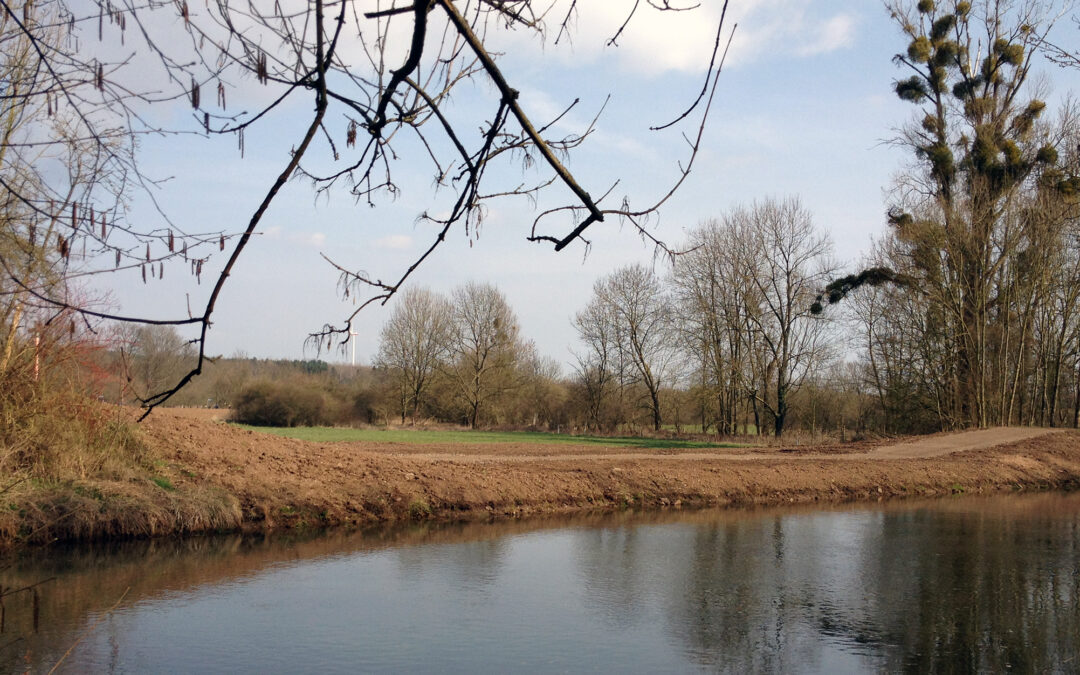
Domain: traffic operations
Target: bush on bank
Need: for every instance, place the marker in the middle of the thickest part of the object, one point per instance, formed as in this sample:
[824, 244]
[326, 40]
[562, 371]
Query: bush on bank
[271, 404]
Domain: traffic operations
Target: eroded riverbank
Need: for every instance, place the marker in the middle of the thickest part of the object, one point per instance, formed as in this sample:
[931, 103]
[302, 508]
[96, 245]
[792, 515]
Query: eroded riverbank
[214, 477]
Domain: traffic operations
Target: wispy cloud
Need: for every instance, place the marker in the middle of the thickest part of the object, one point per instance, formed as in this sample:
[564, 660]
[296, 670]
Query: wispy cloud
[652, 43]
[395, 242]
[313, 239]
[657, 42]
[830, 35]
[788, 28]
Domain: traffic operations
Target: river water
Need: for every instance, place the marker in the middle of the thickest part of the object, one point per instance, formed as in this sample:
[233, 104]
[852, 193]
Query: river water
[958, 585]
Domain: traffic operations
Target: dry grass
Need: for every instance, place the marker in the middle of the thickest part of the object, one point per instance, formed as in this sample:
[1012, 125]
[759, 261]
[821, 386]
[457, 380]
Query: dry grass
[42, 513]
[51, 429]
[74, 468]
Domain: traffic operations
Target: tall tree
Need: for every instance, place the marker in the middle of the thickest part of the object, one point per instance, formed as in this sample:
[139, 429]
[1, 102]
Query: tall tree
[598, 366]
[630, 308]
[902, 350]
[413, 343]
[785, 261]
[713, 295]
[485, 345]
[963, 239]
[746, 290]
[977, 143]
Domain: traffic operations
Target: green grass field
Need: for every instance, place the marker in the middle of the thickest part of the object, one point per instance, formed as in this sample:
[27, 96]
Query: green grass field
[334, 434]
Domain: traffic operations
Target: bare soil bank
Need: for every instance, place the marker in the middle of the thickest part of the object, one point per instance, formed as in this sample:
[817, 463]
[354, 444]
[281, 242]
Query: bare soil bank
[250, 480]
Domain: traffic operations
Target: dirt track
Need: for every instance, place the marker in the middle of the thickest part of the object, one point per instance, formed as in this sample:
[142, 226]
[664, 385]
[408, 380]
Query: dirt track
[284, 482]
[944, 444]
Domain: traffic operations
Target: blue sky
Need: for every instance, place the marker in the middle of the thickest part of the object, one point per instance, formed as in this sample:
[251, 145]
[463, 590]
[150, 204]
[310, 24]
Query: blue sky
[804, 107]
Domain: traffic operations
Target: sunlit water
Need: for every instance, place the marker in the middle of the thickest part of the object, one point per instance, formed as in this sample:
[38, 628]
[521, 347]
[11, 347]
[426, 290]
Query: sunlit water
[959, 585]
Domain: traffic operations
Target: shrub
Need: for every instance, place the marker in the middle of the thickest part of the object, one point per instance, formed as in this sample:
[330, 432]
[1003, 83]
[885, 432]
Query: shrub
[364, 402]
[51, 427]
[270, 404]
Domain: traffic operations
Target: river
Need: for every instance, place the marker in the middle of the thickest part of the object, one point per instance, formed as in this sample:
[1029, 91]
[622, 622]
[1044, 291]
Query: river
[959, 585]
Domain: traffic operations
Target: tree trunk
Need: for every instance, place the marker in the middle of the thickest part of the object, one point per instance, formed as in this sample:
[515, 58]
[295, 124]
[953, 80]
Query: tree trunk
[781, 408]
[1076, 398]
[654, 397]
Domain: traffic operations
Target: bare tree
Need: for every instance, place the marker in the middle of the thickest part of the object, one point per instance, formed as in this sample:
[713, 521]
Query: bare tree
[630, 309]
[745, 292]
[154, 356]
[901, 343]
[540, 399]
[380, 83]
[978, 144]
[786, 262]
[484, 347]
[597, 367]
[713, 297]
[982, 227]
[413, 343]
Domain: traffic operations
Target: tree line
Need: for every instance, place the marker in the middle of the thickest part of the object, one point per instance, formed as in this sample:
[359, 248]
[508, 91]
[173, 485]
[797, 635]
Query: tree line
[969, 313]
[731, 339]
[725, 342]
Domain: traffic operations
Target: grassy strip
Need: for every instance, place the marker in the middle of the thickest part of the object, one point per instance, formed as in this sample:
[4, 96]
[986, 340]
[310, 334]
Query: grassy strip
[417, 436]
[42, 512]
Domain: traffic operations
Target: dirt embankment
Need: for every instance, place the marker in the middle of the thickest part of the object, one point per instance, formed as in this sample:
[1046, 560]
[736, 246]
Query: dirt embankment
[273, 482]
[280, 482]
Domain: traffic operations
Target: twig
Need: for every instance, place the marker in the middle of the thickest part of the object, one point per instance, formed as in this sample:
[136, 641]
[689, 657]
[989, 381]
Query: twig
[4, 594]
[13, 485]
[90, 630]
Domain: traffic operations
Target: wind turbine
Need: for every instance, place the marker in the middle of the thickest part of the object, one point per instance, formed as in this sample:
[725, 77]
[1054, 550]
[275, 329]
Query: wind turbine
[352, 339]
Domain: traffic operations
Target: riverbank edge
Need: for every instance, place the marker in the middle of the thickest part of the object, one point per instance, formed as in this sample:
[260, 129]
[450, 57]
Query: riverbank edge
[193, 496]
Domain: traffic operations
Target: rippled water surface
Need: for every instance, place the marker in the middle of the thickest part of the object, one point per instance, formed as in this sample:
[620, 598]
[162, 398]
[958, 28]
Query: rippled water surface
[959, 585]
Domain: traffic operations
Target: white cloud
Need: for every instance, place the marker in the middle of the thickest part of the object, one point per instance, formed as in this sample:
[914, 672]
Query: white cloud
[831, 35]
[396, 242]
[657, 42]
[312, 239]
[788, 28]
[652, 43]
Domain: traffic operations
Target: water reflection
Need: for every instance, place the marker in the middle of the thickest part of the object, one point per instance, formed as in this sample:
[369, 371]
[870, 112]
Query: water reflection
[471, 565]
[962, 585]
[983, 591]
[972, 584]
